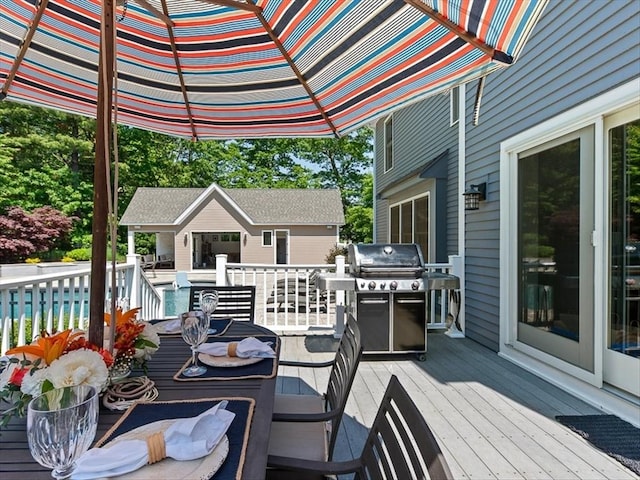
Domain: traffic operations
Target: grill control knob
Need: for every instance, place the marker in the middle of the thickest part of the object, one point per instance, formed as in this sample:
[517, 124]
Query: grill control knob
[415, 285]
[382, 285]
[393, 285]
[372, 285]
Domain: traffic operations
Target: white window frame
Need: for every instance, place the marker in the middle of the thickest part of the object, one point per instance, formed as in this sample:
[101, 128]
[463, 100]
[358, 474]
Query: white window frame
[430, 223]
[270, 232]
[388, 162]
[454, 106]
[590, 113]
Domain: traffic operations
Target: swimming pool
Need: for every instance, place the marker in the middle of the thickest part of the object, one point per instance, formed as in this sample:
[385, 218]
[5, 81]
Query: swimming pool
[177, 300]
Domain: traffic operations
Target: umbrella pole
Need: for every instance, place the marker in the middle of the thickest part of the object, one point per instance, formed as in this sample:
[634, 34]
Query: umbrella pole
[100, 186]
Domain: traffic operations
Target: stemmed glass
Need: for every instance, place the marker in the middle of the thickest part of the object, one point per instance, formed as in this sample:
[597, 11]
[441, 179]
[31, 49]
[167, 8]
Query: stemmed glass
[208, 304]
[194, 327]
[61, 425]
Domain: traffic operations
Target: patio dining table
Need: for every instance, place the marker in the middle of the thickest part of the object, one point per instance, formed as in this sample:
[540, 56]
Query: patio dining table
[16, 461]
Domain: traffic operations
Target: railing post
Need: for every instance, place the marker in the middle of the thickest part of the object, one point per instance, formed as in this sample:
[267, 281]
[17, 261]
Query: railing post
[456, 308]
[221, 269]
[136, 284]
[131, 242]
[340, 308]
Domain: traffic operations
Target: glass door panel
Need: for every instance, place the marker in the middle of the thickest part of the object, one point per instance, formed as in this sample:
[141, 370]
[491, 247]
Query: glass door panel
[555, 221]
[622, 355]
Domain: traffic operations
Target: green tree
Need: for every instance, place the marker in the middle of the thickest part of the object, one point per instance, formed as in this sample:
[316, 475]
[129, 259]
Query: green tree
[346, 163]
[47, 157]
[359, 217]
[51, 157]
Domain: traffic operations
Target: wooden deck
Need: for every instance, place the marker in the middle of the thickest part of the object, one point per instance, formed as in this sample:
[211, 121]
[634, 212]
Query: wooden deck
[493, 419]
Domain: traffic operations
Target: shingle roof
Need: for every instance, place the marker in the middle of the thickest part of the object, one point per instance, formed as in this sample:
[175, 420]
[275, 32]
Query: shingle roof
[289, 206]
[162, 206]
[158, 205]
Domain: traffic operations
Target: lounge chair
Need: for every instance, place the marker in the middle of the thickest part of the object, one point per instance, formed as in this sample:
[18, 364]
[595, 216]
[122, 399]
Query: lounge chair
[181, 280]
[164, 261]
[147, 261]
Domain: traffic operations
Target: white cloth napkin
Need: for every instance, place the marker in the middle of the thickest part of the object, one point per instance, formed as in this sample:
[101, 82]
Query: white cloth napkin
[249, 347]
[186, 439]
[171, 326]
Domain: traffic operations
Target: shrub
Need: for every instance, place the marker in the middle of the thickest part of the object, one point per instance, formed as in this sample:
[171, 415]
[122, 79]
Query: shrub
[32, 260]
[67, 259]
[335, 251]
[84, 254]
[80, 254]
[23, 234]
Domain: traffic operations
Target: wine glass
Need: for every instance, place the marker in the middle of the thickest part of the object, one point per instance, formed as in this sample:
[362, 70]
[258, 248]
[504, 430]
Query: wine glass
[194, 326]
[208, 304]
[61, 425]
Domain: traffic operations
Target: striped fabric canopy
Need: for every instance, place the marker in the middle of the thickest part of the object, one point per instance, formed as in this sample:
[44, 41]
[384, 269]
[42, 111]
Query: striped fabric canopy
[256, 68]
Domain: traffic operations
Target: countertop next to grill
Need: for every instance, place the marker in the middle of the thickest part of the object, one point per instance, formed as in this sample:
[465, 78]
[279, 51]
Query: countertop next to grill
[335, 281]
[433, 281]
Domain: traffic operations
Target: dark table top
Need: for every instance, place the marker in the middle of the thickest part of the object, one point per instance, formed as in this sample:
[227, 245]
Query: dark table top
[16, 461]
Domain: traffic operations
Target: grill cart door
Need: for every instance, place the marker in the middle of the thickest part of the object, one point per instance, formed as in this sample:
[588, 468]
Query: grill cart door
[409, 325]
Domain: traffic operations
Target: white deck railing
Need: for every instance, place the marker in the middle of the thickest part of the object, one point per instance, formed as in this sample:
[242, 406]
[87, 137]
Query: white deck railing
[286, 298]
[57, 301]
[286, 295]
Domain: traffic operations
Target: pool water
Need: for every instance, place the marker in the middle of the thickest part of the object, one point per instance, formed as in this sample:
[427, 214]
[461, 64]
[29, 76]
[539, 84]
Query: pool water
[176, 300]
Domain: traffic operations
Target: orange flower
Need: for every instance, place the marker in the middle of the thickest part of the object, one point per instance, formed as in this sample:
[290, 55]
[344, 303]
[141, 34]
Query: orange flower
[47, 347]
[122, 318]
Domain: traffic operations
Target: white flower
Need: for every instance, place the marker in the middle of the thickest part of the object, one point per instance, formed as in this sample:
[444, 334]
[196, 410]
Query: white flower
[149, 334]
[78, 367]
[32, 382]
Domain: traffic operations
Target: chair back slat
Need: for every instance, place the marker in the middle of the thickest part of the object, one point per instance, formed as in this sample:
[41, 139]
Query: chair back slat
[237, 301]
[400, 443]
[342, 375]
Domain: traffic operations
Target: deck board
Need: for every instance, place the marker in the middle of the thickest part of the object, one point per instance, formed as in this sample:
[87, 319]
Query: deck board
[494, 420]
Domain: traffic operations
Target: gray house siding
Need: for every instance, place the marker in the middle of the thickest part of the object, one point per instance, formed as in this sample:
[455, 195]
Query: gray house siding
[551, 76]
[421, 134]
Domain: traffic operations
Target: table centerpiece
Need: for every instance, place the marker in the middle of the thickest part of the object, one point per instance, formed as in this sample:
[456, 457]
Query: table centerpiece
[67, 358]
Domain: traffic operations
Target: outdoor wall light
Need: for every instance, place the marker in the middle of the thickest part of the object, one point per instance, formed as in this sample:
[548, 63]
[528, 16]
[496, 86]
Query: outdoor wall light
[474, 195]
[186, 239]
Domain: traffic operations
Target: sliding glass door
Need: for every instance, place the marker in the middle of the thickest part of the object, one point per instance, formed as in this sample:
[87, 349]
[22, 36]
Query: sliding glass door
[555, 252]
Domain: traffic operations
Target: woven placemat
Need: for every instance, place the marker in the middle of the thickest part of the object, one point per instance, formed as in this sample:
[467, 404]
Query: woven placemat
[266, 368]
[220, 325]
[144, 413]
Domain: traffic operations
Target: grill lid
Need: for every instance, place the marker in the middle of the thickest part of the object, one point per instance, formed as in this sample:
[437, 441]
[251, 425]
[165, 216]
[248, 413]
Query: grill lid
[386, 260]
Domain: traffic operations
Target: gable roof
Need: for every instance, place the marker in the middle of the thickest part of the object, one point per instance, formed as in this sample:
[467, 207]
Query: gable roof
[259, 206]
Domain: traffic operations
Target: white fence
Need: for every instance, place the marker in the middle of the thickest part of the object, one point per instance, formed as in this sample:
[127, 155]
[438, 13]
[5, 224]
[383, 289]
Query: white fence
[286, 297]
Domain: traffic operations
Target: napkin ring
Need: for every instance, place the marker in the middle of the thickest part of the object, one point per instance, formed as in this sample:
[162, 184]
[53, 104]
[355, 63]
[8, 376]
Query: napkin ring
[232, 348]
[156, 447]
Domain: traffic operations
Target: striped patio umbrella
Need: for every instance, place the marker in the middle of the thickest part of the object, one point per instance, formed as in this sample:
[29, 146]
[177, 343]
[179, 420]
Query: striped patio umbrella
[207, 69]
[256, 68]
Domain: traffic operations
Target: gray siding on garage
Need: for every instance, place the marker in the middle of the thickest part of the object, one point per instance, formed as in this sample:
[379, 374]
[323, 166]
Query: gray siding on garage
[422, 132]
[577, 51]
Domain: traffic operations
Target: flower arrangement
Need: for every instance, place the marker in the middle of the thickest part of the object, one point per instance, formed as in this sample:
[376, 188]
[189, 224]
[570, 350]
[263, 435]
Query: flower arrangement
[52, 361]
[67, 359]
[135, 341]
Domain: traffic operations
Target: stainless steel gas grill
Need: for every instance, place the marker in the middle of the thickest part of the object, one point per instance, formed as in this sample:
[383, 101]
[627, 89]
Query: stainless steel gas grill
[389, 298]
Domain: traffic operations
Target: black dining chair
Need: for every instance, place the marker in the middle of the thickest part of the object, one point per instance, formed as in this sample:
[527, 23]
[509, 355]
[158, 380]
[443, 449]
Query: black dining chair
[234, 301]
[306, 426]
[400, 445]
